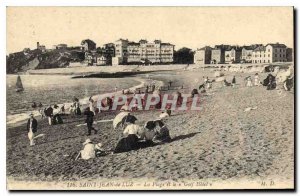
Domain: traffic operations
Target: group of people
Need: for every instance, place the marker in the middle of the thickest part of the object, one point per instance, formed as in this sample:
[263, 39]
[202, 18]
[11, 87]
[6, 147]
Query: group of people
[75, 107]
[249, 82]
[134, 137]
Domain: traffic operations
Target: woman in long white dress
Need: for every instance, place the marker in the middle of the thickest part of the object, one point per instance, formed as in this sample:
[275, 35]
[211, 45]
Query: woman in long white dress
[249, 82]
[256, 80]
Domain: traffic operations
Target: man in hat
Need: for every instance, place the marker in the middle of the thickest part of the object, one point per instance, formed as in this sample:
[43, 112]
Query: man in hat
[31, 129]
[89, 120]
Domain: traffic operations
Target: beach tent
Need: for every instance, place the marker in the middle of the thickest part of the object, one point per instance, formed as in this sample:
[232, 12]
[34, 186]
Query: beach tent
[119, 118]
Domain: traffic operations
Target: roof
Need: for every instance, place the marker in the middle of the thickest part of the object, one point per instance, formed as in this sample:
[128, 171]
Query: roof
[260, 48]
[222, 47]
[108, 44]
[133, 44]
[252, 47]
[122, 40]
[143, 40]
[87, 41]
[166, 44]
[205, 48]
[237, 48]
[277, 45]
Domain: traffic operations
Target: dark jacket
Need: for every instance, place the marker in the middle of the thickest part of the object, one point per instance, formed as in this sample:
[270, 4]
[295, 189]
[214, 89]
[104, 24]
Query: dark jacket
[34, 125]
[89, 117]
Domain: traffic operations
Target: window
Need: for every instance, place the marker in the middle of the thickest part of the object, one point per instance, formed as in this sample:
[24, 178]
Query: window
[275, 55]
[268, 50]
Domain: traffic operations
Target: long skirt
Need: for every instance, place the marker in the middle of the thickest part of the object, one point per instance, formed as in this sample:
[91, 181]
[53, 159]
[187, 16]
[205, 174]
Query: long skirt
[31, 137]
[163, 135]
[127, 144]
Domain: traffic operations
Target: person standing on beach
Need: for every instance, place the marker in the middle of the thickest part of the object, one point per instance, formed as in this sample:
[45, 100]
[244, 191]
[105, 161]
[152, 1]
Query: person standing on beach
[89, 120]
[233, 82]
[49, 114]
[256, 80]
[249, 81]
[31, 129]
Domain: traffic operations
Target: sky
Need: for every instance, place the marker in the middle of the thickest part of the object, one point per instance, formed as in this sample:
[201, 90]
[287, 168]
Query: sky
[192, 27]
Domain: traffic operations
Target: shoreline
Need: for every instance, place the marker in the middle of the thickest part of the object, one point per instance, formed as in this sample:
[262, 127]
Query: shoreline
[21, 118]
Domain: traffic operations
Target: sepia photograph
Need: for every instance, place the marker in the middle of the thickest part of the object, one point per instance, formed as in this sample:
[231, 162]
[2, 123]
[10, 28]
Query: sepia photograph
[150, 98]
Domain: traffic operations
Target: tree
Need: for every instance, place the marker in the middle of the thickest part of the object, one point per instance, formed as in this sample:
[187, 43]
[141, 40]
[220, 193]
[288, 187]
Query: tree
[184, 56]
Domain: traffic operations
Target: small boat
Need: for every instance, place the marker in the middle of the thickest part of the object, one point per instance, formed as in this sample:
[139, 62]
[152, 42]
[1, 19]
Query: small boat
[19, 85]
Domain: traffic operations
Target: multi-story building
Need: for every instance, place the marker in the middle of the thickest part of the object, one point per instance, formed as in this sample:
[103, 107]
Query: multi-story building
[247, 53]
[144, 52]
[269, 54]
[233, 55]
[289, 55]
[166, 53]
[134, 52]
[120, 52]
[218, 54]
[100, 60]
[203, 55]
[88, 45]
[108, 51]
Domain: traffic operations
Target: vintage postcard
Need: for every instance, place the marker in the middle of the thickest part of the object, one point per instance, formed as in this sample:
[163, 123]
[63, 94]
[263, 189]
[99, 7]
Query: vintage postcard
[150, 98]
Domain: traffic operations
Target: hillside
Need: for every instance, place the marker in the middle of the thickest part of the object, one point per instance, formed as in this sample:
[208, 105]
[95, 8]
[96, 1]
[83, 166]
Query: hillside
[36, 59]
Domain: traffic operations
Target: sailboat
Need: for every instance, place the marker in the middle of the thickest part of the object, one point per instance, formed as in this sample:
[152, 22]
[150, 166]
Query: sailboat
[19, 85]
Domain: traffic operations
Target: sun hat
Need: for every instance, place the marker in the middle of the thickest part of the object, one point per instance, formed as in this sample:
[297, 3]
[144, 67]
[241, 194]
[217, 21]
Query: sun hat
[98, 146]
[86, 142]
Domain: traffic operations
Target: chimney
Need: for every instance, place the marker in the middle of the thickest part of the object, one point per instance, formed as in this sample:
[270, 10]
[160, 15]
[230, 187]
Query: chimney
[37, 45]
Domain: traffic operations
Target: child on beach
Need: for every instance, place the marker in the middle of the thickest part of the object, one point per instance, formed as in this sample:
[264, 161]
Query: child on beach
[89, 150]
[256, 80]
[249, 82]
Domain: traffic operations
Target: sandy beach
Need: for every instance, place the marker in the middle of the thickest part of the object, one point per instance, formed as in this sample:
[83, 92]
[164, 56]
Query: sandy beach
[221, 141]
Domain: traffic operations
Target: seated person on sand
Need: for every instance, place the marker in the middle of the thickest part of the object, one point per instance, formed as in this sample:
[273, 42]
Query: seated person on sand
[56, 115]
[129, 119]
[132, 133]
[162, 132]
[89, 150]
[226, 83]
